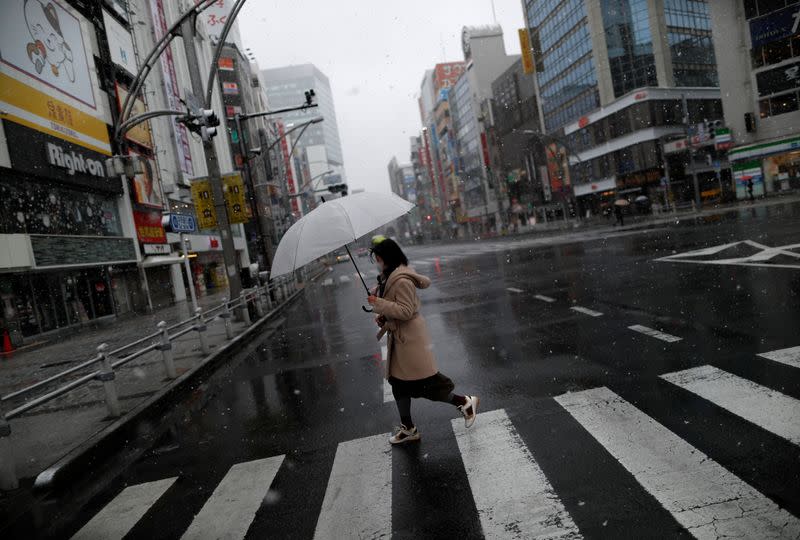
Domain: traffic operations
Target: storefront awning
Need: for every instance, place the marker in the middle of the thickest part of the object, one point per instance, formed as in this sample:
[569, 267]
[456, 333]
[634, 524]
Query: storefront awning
[160, 260]
[764, 148]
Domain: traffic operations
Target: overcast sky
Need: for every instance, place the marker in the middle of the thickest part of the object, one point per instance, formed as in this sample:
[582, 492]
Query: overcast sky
[375, 54]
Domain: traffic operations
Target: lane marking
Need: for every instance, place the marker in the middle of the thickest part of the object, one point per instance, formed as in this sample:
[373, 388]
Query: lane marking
[512, 494]
[387, 388]
[119, 516]
[701, 495]
[586, 311]
[764, 407]
[230, 510]
[358, 499]
[654, 333]
[544, 298]
[344, 279]
[790, 356]
[328, 282]
[514, 290]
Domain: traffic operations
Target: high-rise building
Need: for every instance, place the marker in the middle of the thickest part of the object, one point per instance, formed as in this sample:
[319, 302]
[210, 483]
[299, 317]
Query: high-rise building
[757, 45]
[285, 88]
[617, 79]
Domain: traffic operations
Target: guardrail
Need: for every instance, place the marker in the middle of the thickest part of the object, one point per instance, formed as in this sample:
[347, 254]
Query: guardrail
[105, 363]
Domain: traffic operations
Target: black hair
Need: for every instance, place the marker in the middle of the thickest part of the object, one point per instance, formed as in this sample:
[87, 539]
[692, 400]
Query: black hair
[391, 254]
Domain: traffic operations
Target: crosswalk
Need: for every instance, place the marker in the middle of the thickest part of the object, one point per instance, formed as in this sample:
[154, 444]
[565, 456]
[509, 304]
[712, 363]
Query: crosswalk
[512, 492]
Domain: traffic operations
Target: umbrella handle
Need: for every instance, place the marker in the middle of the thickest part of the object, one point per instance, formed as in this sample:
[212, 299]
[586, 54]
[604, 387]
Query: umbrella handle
[368, 310]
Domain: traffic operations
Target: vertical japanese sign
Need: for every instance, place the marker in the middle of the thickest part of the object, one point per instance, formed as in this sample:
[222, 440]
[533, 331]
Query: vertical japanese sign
[171, 88]
[235, 200]
[289, 175]
[527, 53]
[204, 203]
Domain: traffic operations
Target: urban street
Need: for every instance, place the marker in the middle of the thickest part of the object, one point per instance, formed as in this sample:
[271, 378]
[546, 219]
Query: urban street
[622, 396]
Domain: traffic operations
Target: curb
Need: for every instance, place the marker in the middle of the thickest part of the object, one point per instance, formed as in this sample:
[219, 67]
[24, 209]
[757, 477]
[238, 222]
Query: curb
[98, 447]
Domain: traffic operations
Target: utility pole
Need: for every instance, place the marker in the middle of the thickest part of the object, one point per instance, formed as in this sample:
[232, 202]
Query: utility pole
[690, 151]
[263, 235]
[212, 165]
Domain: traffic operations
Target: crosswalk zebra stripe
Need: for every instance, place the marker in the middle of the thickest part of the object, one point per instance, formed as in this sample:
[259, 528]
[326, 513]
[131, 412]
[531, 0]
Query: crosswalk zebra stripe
[654, 333]
[790, 356]
[230, 510]
[764, 407]
[701, 495]
[358, 499]
[345, 279]
[388, 395]
[327, 283]
[544, 298]
[512, 494]
[514, 290]
[586, 311]
[124, 511]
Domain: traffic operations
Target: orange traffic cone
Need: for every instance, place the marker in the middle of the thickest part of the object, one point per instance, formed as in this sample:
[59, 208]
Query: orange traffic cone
[7, 347]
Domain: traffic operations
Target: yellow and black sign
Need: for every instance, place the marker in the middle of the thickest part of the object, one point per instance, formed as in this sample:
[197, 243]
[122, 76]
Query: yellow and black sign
[235, 200]
[527, 53]
[204, 203]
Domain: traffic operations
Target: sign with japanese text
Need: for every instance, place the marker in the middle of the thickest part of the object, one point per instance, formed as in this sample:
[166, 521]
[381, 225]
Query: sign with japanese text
[215, 16]
[230, 88]
[779, 79]
[140, 133]
[775, 26]
[225, 64]
[446, 75]
[120, 44]
[235, 200]
[527, 53]
[148, 227]
[204, 203]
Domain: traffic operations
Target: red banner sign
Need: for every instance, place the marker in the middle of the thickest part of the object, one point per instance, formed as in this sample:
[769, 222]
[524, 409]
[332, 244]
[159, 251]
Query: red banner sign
[148, 227]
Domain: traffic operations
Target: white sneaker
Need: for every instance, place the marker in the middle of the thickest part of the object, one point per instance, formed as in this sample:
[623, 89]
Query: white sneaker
[404, 435]
[470, 410]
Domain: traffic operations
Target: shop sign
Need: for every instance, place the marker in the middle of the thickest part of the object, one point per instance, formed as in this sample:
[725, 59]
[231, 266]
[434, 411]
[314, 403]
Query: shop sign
[157, 249]
[225, 64]
[235, 201]
[213, 242]
[558, 167]
[675, 146]
[777, 25]
[46, 156]
[544, 175]
[147, 185]
[181, 223]
[527, 52]
[60, 250]
[595, 187]
[230, 88]
[215, 16]
[723, 139]
[779, 79]
[140, 133]
[148, 227]
[120, 44]
[204, 203]
[642, 178]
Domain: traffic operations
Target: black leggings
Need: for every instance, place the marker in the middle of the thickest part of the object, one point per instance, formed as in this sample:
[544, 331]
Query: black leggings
[435, 388]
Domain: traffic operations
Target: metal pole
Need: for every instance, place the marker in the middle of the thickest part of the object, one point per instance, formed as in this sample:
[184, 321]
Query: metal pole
[188, 268]
[8, 470]
[248, 178]
[166, 350]
[226, 316]
[107, 376]
[245, 308]
[212, 164]
[690, 150]
[201, 328]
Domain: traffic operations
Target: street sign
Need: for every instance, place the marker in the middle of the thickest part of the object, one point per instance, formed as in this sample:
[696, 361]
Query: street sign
[204, 203]
[180, 223]
[235, 201]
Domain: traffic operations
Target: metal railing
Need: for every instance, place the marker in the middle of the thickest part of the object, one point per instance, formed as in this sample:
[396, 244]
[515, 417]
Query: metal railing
[105, 363]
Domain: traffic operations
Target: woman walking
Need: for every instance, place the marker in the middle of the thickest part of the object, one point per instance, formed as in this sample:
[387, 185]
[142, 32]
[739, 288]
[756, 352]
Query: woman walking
[411, 367]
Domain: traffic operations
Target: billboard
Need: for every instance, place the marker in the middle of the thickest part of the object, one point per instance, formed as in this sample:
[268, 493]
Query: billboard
[558, 168]
[120, 44]
[148, 227]
[775, 26]
[445, 75]
[527, 52]
[204, 204]
[140, 133]
[147, 185]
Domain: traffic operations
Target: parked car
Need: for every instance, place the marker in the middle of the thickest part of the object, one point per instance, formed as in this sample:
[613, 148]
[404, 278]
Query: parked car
[362, 252]
[341, 256]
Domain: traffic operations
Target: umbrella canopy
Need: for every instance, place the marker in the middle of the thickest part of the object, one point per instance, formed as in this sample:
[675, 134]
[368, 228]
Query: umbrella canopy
[642, 198]
[334, 224]
[622, 202]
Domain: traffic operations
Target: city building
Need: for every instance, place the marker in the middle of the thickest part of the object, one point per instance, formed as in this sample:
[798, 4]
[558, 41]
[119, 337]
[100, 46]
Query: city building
[285, 87]
[403, 182]
[757, 46]
[618, 80]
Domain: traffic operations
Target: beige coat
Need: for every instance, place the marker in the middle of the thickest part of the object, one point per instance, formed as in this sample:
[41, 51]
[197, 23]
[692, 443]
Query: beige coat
[410, 357]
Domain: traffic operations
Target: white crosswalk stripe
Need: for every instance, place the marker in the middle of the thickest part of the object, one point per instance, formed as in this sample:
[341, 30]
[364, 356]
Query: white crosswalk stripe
[358, 499]
[345, 279]
[544, 298]
[514, 290]
[512, 494]
[124, 511]
[654, 333]
[387, 388]
[230, 510]
[700, 494]
[586, 311]
[790, 356]
[328, 282]
[764, 407]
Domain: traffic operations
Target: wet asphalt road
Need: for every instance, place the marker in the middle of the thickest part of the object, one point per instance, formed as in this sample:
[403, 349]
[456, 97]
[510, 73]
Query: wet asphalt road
[502, 324]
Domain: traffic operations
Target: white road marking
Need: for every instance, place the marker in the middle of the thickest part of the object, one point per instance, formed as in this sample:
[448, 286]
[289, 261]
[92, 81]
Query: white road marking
[586, 311]
[328, 282]
[119, 516]
[344, 279]
[700, 494]
[512, 494]
[764, 407]
[544, 298]
[764, 253]
[387, 388]
[514, 290]
[358, 499]
[230, 510]
[790, 356]
[654, 333]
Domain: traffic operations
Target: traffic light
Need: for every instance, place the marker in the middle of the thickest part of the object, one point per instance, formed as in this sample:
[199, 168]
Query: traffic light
[310, 95]
[338, 188]
[203, 122]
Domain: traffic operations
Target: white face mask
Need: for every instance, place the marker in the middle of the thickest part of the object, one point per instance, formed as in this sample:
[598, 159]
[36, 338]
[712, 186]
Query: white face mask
[380, 266]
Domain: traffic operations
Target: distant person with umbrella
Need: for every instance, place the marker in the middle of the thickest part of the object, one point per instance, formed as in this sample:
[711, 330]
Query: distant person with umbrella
[618, 212]
[411, 367]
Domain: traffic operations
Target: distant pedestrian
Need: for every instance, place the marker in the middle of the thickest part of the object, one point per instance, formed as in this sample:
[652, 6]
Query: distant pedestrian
[750, 189]
[618, 215]
[411, 367]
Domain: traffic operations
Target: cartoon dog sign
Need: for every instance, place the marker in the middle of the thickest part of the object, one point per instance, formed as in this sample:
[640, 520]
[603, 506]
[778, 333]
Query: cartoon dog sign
[48, 46]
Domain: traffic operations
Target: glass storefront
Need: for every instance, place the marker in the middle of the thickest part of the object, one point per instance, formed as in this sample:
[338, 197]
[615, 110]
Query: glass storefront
[34, 303]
